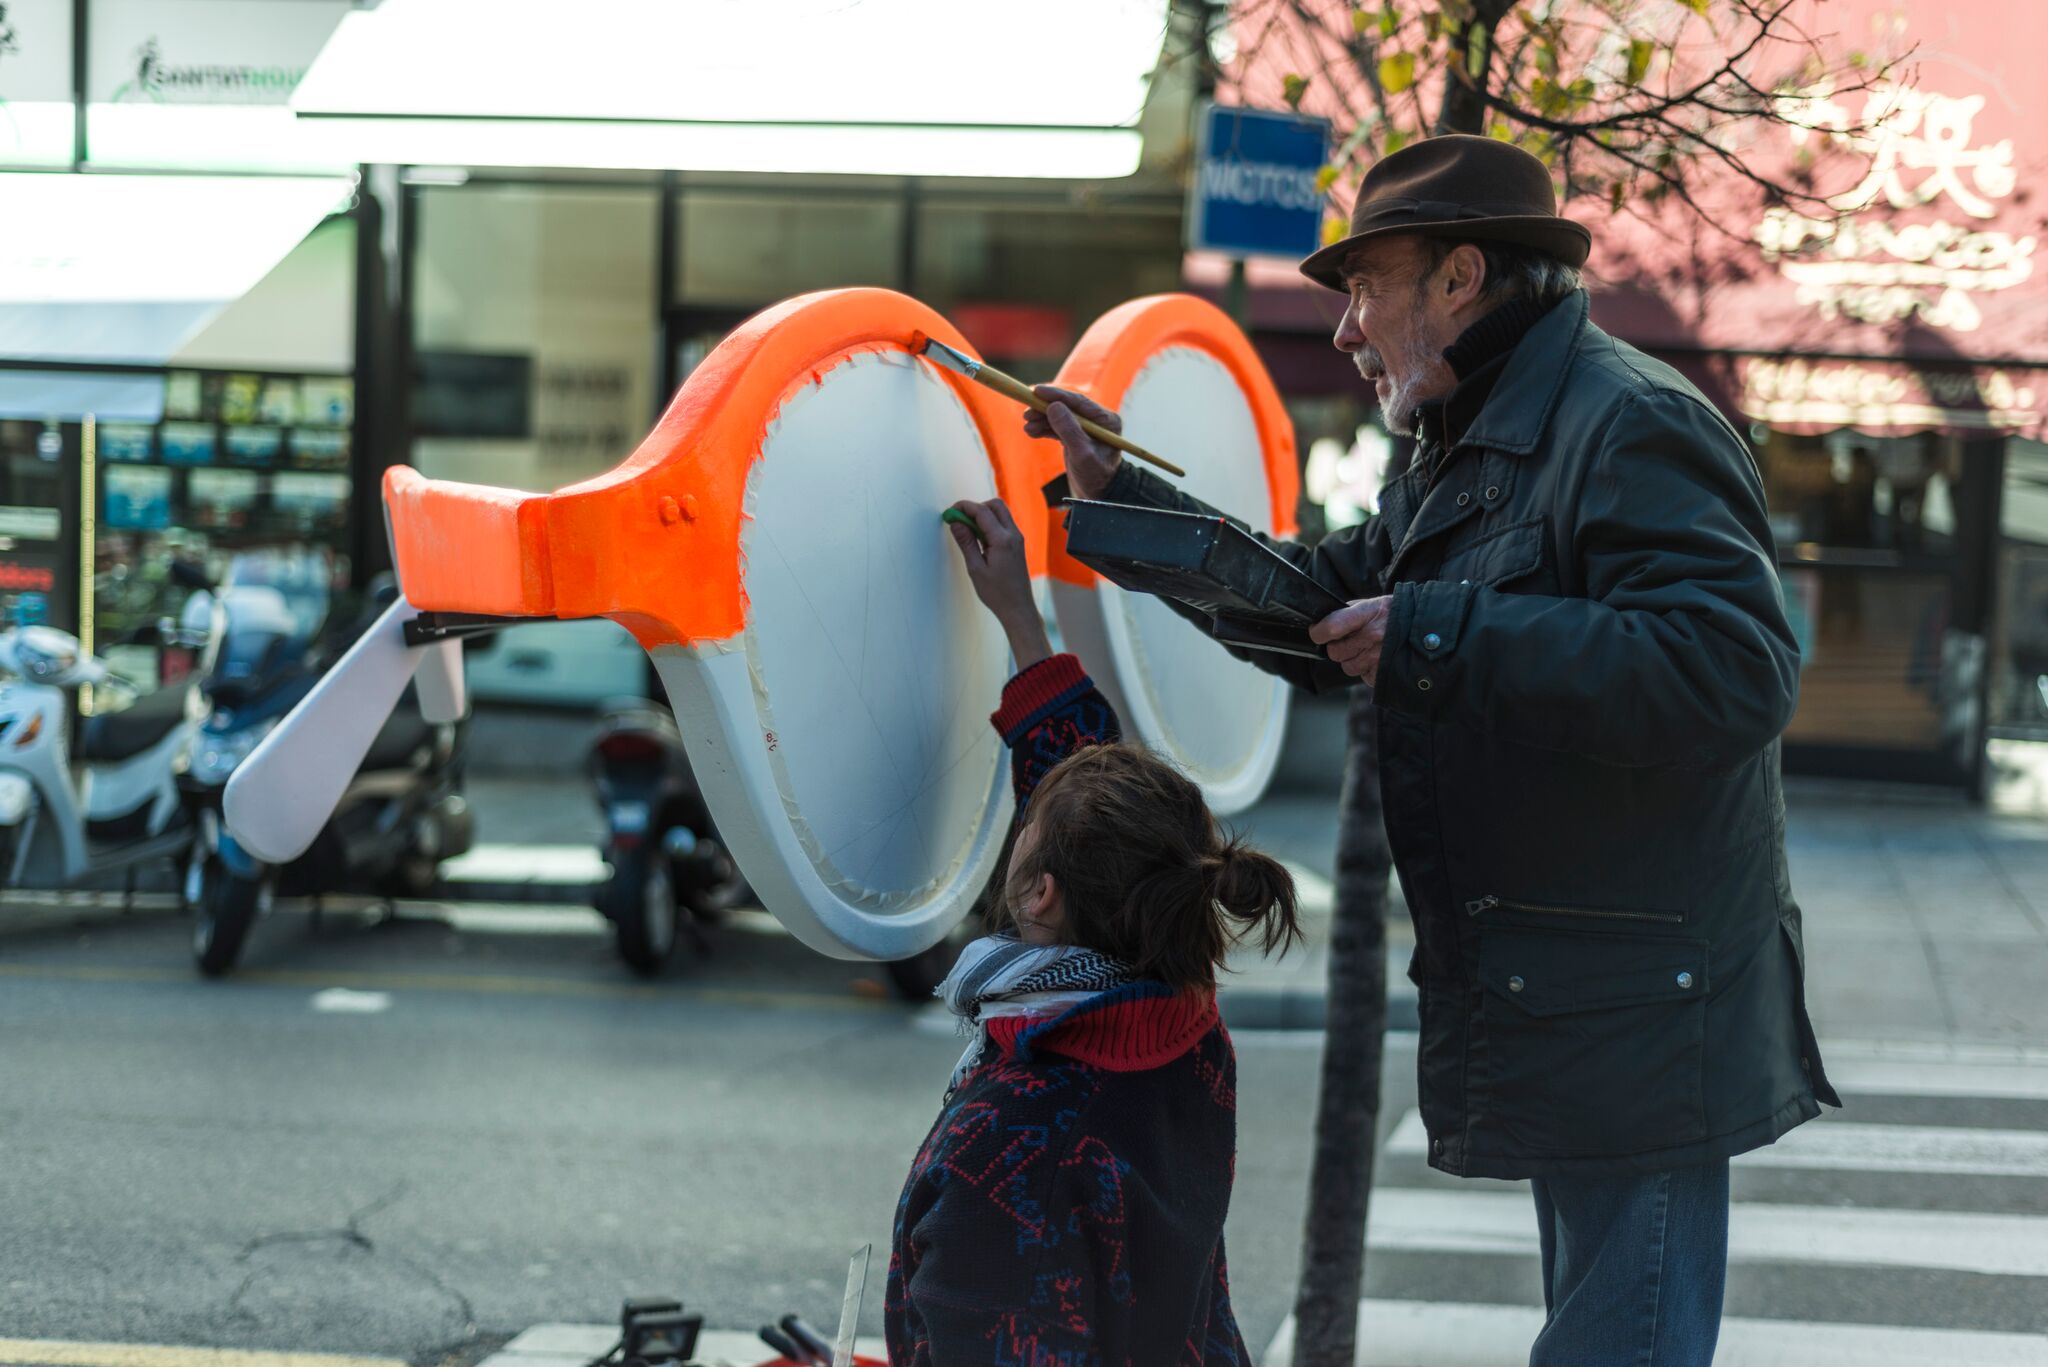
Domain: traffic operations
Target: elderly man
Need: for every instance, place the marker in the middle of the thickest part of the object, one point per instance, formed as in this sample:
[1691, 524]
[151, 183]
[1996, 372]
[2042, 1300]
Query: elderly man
[1569, 614]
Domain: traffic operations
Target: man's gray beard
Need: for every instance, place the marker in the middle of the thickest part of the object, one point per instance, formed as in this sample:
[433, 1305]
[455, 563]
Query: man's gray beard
[1398, 414]
[1431, 372]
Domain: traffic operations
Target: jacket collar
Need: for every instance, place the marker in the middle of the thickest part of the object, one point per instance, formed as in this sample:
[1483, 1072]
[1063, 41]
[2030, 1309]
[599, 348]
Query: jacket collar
[1518, 411]
[1128, 1029]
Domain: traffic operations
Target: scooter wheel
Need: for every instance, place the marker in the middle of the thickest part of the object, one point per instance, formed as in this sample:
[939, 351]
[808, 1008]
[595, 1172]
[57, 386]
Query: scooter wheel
[221, 924]
[640, 901]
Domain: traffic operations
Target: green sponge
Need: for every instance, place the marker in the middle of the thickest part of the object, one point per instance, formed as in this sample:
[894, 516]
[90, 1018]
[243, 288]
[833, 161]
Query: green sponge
[955, 515]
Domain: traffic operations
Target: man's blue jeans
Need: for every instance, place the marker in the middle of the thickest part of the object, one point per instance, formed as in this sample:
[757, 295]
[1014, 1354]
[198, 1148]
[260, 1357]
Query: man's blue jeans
[1633, 1268]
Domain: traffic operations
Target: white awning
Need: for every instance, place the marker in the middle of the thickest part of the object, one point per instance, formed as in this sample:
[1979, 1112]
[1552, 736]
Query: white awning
[121, 268]
[905, 87]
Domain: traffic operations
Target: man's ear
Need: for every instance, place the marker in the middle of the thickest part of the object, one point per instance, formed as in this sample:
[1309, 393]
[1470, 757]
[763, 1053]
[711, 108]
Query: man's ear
[1464, 274]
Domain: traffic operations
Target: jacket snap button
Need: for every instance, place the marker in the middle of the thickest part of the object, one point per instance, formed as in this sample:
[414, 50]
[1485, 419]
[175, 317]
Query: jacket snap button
[1516, 984]
[1463, 499]
[1493, 491]
[1432, 641]
[1436, 1146]
[1422, 685]
[1685, 980]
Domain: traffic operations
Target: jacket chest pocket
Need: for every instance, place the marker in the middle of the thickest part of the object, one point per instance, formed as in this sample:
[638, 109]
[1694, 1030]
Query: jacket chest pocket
[1512, 558]
[1593, 1044]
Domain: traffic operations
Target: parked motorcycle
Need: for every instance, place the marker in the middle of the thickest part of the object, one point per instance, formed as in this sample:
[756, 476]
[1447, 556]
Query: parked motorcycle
[109, 808]
[669, 874]
[402, 815]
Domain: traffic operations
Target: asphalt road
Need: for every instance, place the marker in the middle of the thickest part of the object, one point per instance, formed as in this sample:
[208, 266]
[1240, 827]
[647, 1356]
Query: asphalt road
[417, 1138]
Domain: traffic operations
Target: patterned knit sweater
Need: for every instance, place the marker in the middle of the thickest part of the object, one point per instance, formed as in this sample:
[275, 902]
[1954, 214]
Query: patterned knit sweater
[1067, 1208]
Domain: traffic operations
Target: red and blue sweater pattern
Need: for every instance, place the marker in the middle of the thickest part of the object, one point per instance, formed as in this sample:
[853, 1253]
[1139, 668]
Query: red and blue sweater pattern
[1067, 1208]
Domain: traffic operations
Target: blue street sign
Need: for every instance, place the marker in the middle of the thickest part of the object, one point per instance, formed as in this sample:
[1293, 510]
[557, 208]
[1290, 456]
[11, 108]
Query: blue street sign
[1254, 192]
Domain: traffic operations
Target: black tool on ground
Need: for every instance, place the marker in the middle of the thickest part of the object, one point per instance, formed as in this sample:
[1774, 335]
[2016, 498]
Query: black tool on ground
[1253, 596]
[784, 1346]
[655, 1330]
[810, 1340]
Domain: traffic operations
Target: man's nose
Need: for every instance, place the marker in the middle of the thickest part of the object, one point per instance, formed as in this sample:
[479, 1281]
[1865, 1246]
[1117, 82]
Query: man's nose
[1349, 337]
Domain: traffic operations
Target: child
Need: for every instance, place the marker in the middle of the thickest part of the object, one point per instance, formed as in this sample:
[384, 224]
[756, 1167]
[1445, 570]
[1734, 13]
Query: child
[1067, 1208]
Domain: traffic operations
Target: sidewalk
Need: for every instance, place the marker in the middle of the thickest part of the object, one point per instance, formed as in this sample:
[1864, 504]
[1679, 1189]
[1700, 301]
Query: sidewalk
[1926, 915]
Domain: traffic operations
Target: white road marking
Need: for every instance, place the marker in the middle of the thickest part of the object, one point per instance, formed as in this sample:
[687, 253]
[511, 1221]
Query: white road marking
[1448, 1334]
[1843, 1146]
[526, 864]
[1505, 1223]
[349, 1001]
[65, 1353]
[1913, 1077]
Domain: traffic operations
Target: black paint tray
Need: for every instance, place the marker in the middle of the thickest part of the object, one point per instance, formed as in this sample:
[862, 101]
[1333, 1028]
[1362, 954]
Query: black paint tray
[1252, 596]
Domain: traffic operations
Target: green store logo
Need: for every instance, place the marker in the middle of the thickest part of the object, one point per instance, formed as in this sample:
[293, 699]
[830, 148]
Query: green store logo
[214, 83]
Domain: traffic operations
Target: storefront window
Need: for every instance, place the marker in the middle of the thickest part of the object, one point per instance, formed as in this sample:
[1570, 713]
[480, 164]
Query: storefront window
[2019, 683]
[748, 248]
[1846, 491]
[978, 260]
[534, 311]
[1879, 542]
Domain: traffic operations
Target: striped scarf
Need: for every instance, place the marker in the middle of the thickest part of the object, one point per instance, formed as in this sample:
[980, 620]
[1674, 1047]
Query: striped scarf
[1000, 975]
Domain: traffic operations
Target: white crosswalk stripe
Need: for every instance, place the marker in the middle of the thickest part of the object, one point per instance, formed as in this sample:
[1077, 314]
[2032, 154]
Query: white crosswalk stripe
[1505, 1222]
[1830, 1249]
[1449, 1334]
[1843, 1146]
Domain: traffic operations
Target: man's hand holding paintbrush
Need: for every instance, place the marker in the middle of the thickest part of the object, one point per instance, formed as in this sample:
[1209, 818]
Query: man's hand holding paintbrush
[1036, 399]
[1091, 464]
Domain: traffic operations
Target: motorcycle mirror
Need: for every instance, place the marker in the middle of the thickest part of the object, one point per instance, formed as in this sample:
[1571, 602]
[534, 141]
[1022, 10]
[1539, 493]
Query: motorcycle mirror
[282, 795]
[443, 686]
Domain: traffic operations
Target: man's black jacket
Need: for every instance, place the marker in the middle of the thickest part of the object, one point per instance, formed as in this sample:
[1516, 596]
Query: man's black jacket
[1586, 672]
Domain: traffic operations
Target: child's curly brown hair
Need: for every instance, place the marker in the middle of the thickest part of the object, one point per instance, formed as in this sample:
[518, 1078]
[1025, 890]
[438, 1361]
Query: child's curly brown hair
[1146, 874]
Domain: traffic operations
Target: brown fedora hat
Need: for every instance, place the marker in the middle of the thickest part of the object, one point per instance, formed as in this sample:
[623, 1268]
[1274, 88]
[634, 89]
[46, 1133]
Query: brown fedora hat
[1456, 185]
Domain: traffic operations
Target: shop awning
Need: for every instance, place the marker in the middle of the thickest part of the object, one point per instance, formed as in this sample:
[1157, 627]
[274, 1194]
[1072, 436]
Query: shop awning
[1919, 303]
[1917, 300]
[122, 268]
[905, 87]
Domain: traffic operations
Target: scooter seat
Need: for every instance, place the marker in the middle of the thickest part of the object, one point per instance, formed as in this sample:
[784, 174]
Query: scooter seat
[122, 735]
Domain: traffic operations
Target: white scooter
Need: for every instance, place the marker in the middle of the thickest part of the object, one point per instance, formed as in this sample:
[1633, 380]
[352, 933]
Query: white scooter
[119, 807]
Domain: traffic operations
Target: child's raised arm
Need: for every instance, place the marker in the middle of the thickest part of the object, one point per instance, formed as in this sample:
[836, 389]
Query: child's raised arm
[1051, 708]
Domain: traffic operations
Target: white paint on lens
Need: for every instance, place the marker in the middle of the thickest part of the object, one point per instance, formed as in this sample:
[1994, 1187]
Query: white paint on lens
[845, 748]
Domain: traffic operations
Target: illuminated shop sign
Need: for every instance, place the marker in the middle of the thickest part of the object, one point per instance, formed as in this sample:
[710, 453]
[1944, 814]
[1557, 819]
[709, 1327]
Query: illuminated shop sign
[1923, 153]
[1800, 392]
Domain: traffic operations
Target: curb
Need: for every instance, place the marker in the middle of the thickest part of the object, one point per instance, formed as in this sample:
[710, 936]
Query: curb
[575, 1345]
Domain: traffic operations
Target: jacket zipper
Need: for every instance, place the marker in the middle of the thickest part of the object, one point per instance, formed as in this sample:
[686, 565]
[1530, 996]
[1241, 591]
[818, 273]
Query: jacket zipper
[1481, 905]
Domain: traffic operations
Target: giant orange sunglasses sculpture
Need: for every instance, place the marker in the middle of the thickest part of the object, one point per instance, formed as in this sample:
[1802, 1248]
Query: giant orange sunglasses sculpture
[775, 544]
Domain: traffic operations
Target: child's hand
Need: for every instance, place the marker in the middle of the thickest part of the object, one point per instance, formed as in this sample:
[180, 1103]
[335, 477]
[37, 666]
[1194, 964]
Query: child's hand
[1001, 577]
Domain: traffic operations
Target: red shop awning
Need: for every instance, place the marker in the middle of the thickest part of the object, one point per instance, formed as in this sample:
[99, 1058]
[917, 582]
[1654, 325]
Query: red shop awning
[1919, 303]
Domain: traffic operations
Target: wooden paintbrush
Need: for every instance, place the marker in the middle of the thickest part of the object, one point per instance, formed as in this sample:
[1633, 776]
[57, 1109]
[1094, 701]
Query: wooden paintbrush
[1011, 387]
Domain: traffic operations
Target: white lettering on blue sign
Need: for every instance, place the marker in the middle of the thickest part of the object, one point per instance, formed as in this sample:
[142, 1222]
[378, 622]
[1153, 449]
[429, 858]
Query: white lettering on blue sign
[1261, 183]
